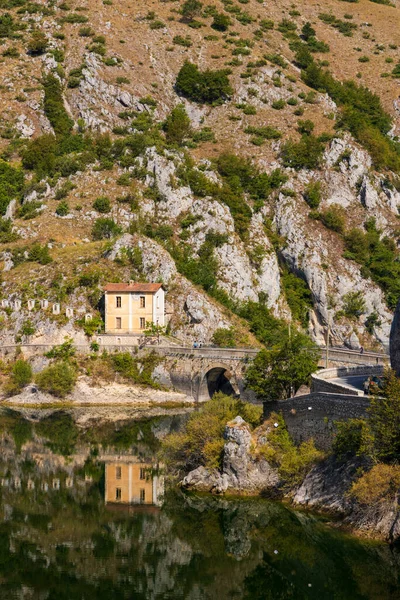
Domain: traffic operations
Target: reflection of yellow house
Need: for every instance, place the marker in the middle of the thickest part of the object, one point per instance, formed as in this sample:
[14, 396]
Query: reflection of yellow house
[129, 306]
[131, 482]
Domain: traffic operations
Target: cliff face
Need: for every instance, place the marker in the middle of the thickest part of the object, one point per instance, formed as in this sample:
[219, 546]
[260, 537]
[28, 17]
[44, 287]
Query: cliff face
[114, 69]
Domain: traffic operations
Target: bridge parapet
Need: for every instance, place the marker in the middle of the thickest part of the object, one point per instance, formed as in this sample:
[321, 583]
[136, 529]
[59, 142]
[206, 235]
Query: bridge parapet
[322, 380]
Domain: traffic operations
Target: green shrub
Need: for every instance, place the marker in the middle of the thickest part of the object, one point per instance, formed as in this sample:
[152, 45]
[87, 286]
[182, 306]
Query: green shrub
[306, 126]
[40, 254]
[333, 218]
[292, 461]
[312, 194]
[6, 231]
[177, 125]
[353, 304]
[349, 437]
[298, 296]
[63, 352]
[377, 486]
[378, 257]
[11, 185]
[104, 229]
[54, 106]
[305, 154]
[58, 379]
[221, 22]
[210, 87]
[102, 204]
[27, 328]
[224, 337]
[74, 18]
[62, 209]
[186, 42]
[137, 370]
[40, 154]
[20, 376]
[37, 44]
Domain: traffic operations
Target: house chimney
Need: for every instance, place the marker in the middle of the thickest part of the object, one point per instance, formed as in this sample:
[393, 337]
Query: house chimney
[131, 282]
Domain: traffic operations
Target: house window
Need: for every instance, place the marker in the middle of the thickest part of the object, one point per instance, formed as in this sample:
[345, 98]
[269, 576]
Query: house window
[118, 493]
[142, 323]
[118, 472]
[118, 301]
[142, 301]
[157, 301]
[142, 495]
[118, 323]
[142, 473]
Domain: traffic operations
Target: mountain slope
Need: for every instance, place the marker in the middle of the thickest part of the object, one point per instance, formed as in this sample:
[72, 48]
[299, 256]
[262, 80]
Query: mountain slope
[276, 193]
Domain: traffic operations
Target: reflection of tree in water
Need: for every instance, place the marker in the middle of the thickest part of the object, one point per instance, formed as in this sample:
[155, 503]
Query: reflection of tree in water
[65, 543]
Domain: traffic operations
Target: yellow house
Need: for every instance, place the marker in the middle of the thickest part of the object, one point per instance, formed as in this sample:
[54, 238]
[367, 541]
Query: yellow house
[129, 306]
[130, 482]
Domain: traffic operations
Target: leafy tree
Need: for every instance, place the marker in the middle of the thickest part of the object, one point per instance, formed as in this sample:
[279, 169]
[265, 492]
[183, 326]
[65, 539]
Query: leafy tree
[153, 330]
[104, 229]
[177, 125]
[210, 87]
[279, 372]
[191, 9]
[37, 44]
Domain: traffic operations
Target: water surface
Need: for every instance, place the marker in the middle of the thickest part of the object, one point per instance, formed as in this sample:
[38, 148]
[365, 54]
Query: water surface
[85, 514]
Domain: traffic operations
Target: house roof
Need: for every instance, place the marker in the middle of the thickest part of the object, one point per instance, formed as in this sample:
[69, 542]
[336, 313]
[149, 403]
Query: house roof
[151, 288]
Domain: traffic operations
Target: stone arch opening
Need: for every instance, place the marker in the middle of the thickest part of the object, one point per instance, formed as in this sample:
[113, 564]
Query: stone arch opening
[216, 379]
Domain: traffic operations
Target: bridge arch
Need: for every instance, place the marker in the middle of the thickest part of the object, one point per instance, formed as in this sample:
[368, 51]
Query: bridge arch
[217, 377]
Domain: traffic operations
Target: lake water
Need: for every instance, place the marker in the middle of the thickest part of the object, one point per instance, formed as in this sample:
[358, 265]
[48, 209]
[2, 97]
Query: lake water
[85, 514]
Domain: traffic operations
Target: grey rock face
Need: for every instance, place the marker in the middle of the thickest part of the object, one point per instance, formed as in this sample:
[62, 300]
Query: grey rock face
[241, 472]
[395, 341]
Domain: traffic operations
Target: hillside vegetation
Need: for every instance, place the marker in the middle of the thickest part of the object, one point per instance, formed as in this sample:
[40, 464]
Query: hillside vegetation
[245, 153]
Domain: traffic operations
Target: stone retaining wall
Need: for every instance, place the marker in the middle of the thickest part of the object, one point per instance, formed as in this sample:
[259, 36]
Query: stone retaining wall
[314, 415]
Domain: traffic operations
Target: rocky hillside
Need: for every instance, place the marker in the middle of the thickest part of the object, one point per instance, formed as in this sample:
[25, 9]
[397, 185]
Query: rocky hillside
[243, 152]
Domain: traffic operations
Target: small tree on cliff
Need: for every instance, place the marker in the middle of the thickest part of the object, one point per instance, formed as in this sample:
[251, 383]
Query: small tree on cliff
[278, 373]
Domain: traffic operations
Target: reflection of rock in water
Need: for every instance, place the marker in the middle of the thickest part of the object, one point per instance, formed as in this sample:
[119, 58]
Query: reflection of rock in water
[236, 536]
[129, 480]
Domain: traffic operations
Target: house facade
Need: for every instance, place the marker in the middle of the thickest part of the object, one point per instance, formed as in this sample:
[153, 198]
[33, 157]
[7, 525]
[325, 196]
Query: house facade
[129, 306]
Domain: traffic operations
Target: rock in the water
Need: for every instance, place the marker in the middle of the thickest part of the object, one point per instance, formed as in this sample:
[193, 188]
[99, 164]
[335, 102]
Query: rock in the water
[241, 471]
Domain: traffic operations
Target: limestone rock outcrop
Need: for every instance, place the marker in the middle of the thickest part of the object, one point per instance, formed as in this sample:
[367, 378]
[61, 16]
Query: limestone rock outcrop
[241, 471]
[395, 341]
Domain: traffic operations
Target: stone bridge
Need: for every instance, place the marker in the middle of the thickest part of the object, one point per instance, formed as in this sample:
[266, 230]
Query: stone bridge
[200, 372]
